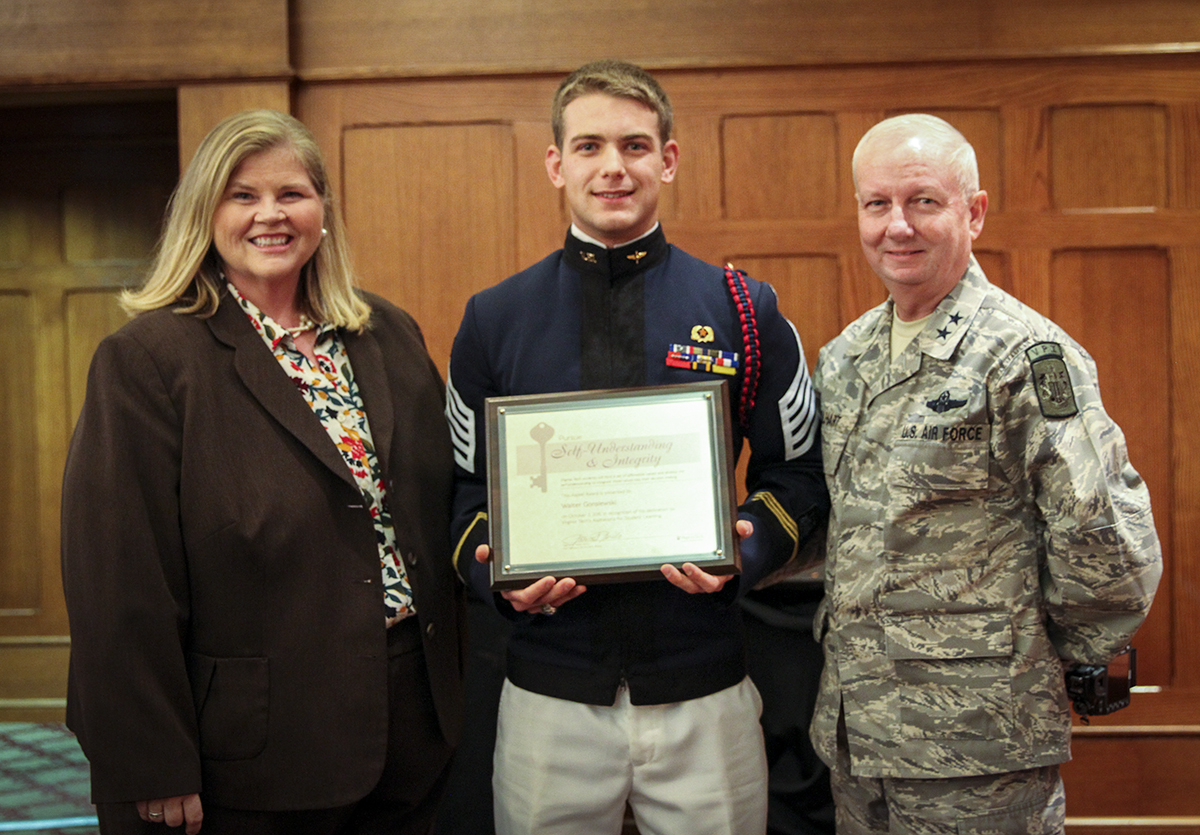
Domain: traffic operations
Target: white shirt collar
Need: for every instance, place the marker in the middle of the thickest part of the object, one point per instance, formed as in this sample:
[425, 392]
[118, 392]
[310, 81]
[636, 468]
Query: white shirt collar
[590, 240]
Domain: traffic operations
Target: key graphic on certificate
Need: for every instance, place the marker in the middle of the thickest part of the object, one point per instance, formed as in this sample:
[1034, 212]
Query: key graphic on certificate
[541, 433]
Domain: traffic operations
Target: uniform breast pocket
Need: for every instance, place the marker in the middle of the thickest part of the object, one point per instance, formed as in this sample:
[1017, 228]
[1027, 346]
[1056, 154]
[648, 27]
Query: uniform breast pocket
[941, 458]
[953, 674]
[936, 489]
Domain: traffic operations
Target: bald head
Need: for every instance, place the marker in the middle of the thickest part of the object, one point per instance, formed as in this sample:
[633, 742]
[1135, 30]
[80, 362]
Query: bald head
[919, 208]
[927, 137]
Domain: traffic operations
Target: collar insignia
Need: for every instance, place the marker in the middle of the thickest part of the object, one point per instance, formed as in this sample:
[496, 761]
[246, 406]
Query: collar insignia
[636, 257]
[590, 257]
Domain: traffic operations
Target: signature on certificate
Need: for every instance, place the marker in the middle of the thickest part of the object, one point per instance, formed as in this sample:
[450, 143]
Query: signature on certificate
[583, 540]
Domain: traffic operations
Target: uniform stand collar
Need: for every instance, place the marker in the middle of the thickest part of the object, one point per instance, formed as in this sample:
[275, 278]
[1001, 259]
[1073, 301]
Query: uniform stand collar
[617, 262]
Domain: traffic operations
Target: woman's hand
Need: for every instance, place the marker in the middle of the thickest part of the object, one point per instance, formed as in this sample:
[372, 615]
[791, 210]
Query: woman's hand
[173, 811]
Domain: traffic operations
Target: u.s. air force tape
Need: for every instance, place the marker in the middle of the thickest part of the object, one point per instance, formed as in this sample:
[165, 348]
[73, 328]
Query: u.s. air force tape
[1051, 380]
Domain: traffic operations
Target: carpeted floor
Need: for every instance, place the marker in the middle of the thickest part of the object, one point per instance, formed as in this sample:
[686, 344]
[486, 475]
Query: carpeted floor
[44, 783]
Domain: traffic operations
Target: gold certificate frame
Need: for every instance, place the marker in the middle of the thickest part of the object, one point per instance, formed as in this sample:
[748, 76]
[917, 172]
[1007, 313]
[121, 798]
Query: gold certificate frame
[610, 485]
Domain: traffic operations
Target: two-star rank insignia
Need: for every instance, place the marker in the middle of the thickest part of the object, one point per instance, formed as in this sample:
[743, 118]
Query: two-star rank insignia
[702, 359]
[702, 333]
[944, 332]
[1051, 380]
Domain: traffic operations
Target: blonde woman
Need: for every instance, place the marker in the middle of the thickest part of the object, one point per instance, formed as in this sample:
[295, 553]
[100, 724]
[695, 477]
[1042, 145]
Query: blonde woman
[255, 524]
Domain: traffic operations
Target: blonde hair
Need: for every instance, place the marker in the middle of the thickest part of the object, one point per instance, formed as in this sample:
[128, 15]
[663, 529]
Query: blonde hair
[950, 145]
[614, 78]
[186, 270]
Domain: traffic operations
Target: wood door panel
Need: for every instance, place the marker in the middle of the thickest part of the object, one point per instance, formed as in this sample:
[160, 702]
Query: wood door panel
[1134, 775]
[1091, 295]
[808, 290]
[765, 175]
[85, 185]
[20, 568]
[430, 213]
[1109, 156]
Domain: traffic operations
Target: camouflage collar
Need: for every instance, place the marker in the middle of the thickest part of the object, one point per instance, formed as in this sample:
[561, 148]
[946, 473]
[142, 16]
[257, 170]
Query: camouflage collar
[944, 330]
[954, 314]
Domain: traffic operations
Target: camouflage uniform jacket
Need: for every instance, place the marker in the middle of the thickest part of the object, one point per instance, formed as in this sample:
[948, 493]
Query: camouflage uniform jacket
[986, 523]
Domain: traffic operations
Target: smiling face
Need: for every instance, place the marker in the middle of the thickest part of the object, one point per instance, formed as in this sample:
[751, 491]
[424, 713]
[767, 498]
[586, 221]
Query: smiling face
[267, 224]
[915, 223]
[611, 166]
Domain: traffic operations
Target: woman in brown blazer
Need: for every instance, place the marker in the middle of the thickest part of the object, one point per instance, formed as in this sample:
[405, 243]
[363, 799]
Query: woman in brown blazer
[264, 615]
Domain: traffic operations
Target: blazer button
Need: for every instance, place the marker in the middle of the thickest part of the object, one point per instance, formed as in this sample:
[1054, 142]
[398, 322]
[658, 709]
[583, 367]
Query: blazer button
[411, 558]
[430, 631]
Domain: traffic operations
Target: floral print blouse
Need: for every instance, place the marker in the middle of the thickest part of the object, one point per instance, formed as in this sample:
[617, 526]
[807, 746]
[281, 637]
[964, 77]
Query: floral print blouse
[330, 390]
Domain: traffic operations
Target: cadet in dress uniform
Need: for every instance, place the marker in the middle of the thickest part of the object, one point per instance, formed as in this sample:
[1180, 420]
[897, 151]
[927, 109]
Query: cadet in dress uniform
[633, 691]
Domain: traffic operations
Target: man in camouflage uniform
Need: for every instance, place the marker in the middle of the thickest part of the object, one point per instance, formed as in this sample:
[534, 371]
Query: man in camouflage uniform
[987, 528]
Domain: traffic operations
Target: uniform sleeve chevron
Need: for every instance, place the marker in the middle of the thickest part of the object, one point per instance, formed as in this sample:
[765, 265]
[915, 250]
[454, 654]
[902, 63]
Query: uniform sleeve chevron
[798, 409]
[786, 522]
[480, 518]
[462, 427]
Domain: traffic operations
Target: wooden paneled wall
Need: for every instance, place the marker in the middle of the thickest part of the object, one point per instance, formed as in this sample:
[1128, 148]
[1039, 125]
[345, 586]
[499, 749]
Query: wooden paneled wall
[47, 43]
[341, 39]
[1091, 165]
[82, 193]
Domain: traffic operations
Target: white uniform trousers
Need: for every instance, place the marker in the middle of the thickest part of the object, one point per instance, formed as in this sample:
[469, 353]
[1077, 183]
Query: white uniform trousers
[686, 768]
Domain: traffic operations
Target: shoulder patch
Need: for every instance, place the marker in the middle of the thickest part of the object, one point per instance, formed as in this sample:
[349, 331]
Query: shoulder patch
[1051, 380]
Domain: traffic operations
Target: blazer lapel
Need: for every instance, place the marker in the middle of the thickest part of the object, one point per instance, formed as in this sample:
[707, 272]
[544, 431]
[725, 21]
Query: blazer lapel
[268, 383]
[366, 362]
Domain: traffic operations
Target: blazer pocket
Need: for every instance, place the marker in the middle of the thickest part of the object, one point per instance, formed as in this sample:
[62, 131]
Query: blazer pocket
[953, 674]
[232, 697]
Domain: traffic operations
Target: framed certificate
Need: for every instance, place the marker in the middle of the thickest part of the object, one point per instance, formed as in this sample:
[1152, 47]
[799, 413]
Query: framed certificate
[610, 485]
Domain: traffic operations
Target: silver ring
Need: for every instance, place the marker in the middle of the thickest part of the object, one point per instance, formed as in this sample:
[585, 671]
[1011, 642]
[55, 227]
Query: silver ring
[155, 814]
[547, 609]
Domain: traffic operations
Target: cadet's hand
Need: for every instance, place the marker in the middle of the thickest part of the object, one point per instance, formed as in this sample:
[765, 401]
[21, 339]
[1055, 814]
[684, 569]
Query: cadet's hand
[544, 595]
[695, 580]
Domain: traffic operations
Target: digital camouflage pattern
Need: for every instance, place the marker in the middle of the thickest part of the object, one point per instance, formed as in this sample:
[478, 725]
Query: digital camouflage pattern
[981, 531]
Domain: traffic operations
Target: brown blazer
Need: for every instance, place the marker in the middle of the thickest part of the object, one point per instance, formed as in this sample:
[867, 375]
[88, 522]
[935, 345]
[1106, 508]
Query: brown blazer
[222, 576]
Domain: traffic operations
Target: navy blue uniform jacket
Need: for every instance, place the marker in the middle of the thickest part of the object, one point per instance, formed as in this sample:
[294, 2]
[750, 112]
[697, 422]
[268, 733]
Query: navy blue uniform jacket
[588, 318]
